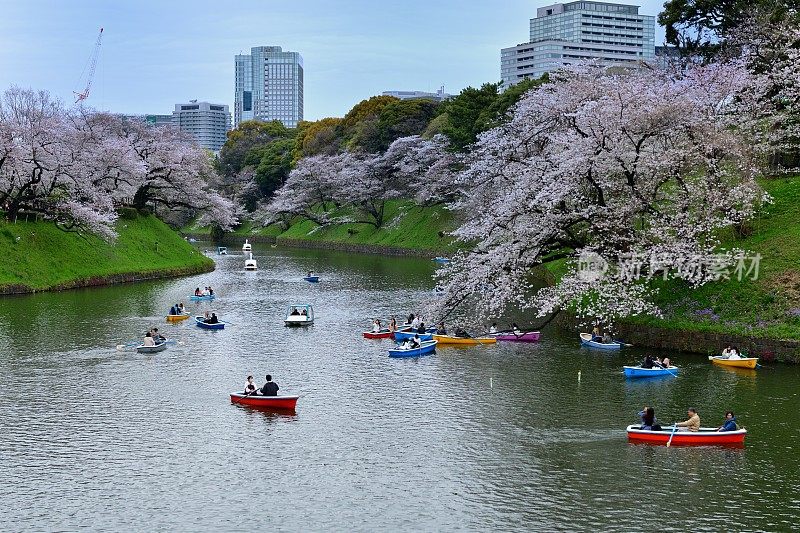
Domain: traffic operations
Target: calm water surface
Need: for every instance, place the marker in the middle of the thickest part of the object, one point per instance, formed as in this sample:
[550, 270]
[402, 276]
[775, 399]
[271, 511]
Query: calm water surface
[496, 437]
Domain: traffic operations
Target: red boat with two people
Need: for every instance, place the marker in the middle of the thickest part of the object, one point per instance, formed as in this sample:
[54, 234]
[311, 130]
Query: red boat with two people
[704, 437]
[283, 403]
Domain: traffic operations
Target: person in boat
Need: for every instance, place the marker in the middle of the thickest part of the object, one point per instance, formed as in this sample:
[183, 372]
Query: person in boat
[393, 325]
[197, 292]
[303, 312]
[157, 337]
[726, 352]
[730, 422]
[295, 312]
[648, 362]
[596, 336]
[270, 388]
[493, 328]
[210, 291]
[376, 326]
[148, 339]
[410, 319]
[415, 341]
[460, 333]
[415, 322]
[213, 319]
[421, 328]
[734, 354]
[607, 338]
[693, 422]
[641, 413]
[440, 329]
[515, 329]
[173, 311]
[249, 385]
[182, 308]
[665, 363]
[648, 419]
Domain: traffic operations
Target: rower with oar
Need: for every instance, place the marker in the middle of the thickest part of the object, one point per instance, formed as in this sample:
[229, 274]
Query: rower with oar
[270, 388]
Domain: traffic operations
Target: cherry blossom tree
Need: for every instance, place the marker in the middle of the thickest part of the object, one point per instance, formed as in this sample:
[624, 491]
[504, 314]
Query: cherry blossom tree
[770, 47]
[173, 172]
[359, 184]
[607, 168]
[43, 165]
[308, 192]
[428, 167]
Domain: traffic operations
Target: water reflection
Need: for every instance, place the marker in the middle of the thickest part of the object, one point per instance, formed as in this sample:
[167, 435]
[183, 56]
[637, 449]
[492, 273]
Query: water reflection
[500, 437]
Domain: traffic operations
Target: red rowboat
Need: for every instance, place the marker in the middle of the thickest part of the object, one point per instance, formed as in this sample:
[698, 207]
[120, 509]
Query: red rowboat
[286, 403]
[382, 334]
[704, 437]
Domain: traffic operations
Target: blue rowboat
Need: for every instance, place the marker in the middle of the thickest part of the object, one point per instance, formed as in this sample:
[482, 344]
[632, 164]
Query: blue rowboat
[404, 335]
[639, 372]
[426, 348]
[586, 340]
[200, 323]
[312, 279]
[441, 260]
[207, 298]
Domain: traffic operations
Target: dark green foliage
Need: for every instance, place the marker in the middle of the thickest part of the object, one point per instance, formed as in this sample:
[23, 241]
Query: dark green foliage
[474, 111]
[469, 113]
[404, 118]
[217, 234]
[701, 26]
[245, 144]
[274, 165]
[373, 124]
[127, 213]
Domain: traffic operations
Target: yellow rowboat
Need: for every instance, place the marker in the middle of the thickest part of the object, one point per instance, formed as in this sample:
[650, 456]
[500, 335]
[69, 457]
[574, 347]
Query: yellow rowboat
[177, 318]
[447, 339]
[745, 362]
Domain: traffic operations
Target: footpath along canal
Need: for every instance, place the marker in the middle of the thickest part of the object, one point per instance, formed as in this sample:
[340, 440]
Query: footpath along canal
[491, 437]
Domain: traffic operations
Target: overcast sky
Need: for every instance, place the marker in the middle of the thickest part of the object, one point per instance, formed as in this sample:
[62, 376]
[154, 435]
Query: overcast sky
[156, 53]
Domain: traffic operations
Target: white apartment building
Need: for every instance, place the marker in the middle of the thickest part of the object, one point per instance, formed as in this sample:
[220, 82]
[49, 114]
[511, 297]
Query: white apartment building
[562, 34]
[207, 123]
[268, 86]
[439, 95]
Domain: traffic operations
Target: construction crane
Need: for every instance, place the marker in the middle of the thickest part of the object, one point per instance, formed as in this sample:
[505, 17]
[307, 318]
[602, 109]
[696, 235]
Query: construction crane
[90, 66]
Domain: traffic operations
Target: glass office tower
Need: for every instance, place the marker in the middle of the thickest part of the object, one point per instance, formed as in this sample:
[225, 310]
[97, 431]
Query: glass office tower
[268, 86]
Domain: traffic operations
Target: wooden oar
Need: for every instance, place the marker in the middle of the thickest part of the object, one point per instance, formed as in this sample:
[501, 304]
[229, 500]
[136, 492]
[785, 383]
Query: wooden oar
[245, 396]
[674, 429]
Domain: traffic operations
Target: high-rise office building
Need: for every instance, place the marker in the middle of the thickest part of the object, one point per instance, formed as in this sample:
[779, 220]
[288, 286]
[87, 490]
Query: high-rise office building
[269, 86]
[562, 34]
[207, 123]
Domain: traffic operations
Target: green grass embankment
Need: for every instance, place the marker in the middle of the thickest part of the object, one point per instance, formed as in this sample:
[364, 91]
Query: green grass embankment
[38, 256]
[768, 307]
[406, 226]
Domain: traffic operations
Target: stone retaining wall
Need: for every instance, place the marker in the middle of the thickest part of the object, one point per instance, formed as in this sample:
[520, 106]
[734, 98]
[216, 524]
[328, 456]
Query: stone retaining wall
[768, 350]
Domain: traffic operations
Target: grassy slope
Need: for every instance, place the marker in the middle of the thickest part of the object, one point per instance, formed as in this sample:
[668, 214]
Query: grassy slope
[768, 307]
[39, 256]
[406, 226]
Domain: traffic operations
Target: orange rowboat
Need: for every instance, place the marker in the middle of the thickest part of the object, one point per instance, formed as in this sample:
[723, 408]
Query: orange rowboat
[744, 362]
[447, 339]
